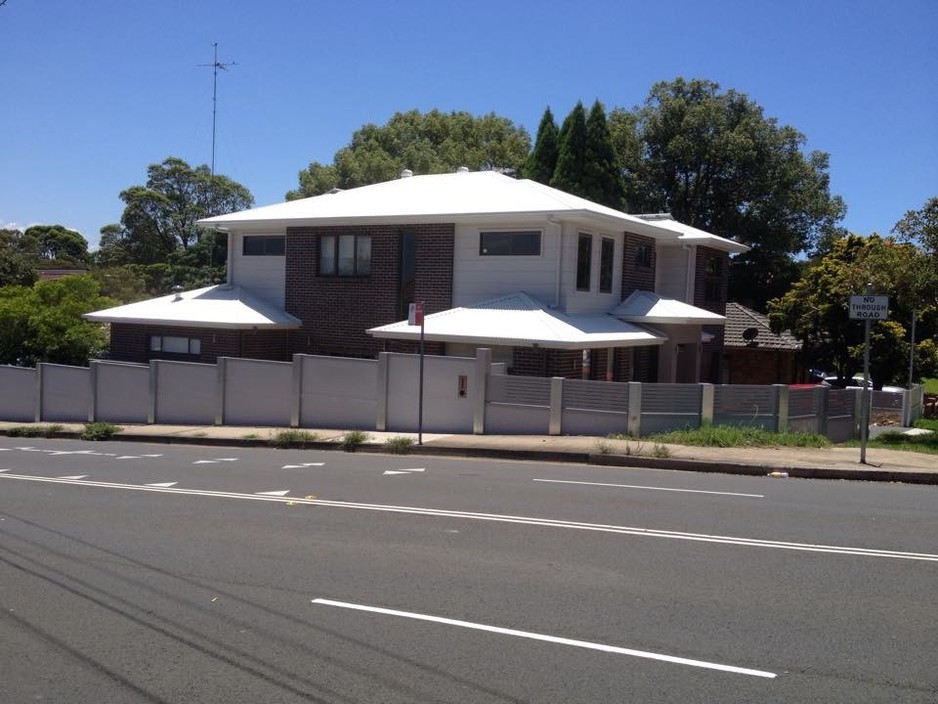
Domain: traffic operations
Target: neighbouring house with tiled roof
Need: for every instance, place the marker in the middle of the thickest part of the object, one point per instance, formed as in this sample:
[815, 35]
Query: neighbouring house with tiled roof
[554, 284]
[754, 354]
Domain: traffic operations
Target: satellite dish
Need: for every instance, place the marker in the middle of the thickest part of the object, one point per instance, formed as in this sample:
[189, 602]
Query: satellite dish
[750, 334]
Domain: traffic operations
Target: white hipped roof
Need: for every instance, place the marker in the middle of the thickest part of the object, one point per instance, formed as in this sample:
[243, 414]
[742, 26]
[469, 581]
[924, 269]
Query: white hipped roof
[519, 320]
[455, 197]
[221, 306]
[693, 235]
[648, 307]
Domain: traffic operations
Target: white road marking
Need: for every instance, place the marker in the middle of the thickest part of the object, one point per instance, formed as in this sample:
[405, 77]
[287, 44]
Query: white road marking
[272, 493]
[129, 457]
[505, 518]
[303, 465]
[216, 460]
[6, 449]
[164, 485]
[76, 476]
[404, 471]
[549, 639]
[651, 488]
[159, 455]
[4, 470]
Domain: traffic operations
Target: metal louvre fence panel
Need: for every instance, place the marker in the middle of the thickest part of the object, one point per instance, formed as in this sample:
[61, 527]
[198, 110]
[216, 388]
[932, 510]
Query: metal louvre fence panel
[746, 405]
[803, 409]
[519, 390]
[594, 407]
[887, 401]
[670, 407]
[66, 393]
[841, 412]
[17, 394]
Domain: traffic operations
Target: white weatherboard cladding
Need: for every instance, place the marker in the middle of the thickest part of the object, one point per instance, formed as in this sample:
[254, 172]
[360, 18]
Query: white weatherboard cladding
[479, 278]
[671, 273]
[263, 275]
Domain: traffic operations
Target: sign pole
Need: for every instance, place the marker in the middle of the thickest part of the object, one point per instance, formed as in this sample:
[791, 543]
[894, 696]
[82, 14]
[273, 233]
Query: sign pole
[415, 317]
[867, 394]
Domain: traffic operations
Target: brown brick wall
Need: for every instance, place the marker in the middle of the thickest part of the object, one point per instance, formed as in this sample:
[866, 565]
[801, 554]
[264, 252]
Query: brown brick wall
[131, 343]
[711, 357]
[337, 310]
[760, 366]
[636, 277]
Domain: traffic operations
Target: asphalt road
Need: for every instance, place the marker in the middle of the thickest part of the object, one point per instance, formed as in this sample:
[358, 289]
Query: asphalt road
[155, 573]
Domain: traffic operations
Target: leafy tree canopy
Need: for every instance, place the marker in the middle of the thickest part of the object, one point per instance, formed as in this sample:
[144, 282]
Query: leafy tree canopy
[713, 160]
[17, 264]
[58, 246]
[434, 142]
[43, 323]
[159, 218]
[816, 309]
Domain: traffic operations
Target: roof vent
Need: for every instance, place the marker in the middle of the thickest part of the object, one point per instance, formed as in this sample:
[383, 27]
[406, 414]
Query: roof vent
[462, 170]
[177, 292]
[406, 173]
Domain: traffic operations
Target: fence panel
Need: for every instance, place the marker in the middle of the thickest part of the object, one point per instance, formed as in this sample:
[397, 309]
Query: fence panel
[746, 405]
[17, 394]
[448, 393]
[186, 393]
[803, 409]
[257, 392]
[338, 392]
[594, 407]
[841, 414]
[66, 393]
[122, 392]
[517, 405]
[670, 407]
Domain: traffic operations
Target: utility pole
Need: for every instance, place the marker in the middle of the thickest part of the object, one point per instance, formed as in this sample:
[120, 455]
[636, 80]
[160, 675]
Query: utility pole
[216, 64]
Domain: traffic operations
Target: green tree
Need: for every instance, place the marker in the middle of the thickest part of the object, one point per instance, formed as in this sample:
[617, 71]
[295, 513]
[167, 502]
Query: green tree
[435, 142]
[43, 323]
[542, 160]
[816, 308]
[713, 160]
[602, 176]
[570, 174]
[17, 267]
[58, 246]
[159, 218]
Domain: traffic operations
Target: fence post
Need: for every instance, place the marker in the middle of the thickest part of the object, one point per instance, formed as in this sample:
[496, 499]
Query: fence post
[92, 391]
[823, 409]
[781, 407]
[482, 371]
[858, 412]
[154, 391]
[221, 372]
[635, 409]
[706, 404]
[39, 374]
[381, 393]
[556, 405]
[296, 393]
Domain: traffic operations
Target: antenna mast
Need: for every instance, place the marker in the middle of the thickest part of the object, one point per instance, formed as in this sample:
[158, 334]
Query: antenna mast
[216, 64]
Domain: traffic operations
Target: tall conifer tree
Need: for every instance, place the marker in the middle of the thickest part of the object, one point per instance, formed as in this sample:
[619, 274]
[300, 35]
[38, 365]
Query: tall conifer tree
[602, 177]
[542, 161]
[571, 159]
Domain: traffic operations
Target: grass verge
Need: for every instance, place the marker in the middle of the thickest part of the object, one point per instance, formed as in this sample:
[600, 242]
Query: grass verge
[738, 436]
[33, 431]
[931, 386]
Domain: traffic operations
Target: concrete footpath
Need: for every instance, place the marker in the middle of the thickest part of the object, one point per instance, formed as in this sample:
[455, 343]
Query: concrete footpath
[813, 463]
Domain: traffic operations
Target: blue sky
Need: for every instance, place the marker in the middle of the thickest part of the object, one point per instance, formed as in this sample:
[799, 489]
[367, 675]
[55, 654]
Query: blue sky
[94, 91]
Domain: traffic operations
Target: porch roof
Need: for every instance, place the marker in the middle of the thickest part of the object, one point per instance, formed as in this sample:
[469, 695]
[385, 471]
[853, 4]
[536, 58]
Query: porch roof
[649, 307]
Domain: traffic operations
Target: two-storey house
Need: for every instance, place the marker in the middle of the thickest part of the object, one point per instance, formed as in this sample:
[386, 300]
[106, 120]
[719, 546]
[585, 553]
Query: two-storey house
[554, 284]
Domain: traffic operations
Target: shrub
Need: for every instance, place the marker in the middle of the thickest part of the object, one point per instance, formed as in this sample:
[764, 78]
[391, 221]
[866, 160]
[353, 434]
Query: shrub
[293, 438]
[33, 431]
[99, 431]
[353, 440]
[399, 445]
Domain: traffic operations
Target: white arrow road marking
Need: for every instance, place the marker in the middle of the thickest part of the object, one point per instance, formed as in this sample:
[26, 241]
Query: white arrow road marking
[160, 455]
[76, 476]
[216, 460]
[204, 462]
[404, 471]
[129, 457]
[5, 449]
[304, 464]
[505, 518]
[549, 639]
[272, 493]
[4, 470]
[164, 485]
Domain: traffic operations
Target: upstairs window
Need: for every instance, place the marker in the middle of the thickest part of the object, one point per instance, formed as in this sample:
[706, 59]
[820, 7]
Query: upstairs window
[523, 243]
[606, 260]
[345, 255]
[584, 262]
[262, 245]
[714, 266]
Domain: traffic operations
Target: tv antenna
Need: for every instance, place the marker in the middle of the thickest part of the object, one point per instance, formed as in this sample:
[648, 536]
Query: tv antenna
[216, 64]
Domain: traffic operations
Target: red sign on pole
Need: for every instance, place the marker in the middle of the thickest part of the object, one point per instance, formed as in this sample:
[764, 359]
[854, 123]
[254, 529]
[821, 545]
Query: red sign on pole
[415, 313]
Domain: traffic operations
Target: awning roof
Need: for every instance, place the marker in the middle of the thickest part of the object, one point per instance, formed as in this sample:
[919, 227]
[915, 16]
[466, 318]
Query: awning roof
[693, 235]
[648, 307]
[222, 306]
[518, 320]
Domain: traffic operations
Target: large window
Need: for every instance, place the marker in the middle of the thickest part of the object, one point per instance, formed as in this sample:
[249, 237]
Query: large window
[173, 344]
[606, 260]
[505, 243]
[345, 255]
[584, 262]
[262, 245]
[643, 256]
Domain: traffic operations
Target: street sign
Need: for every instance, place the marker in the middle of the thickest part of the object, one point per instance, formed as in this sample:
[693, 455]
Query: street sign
[869, 307]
